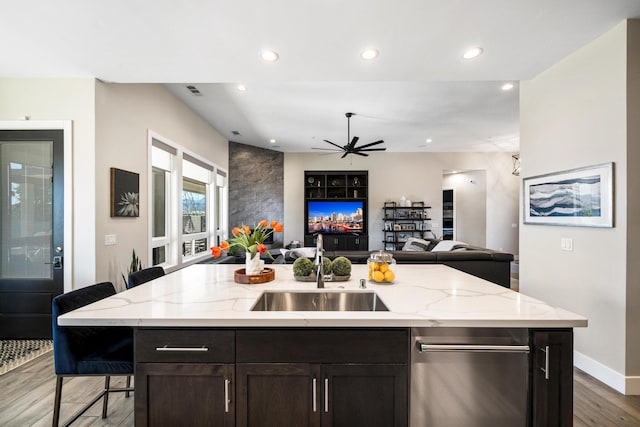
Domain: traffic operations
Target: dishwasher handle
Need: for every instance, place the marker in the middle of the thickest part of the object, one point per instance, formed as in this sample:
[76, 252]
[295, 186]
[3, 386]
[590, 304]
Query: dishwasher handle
[471, 348]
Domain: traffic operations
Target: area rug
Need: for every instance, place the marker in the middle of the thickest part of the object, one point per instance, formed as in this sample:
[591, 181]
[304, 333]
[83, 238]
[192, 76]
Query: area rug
[14, 353]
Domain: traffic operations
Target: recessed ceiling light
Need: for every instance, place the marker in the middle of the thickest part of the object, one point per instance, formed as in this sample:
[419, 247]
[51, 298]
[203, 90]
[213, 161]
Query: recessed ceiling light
[429, 140]
[507, 86]
[473, 52]
[241, 88]
[273, 141]
[269, 55]
[369, 54]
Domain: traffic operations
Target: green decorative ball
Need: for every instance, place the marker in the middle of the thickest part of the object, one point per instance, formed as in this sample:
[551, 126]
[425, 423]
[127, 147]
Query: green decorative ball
[302, 267]
[341, 266]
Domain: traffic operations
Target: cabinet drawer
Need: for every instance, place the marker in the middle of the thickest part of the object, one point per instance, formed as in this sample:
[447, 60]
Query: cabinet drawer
[322, 345]
[184, 345]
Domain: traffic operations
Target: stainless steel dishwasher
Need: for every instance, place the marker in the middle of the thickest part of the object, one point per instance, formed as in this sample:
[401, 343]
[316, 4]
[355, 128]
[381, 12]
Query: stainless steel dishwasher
[469, 377]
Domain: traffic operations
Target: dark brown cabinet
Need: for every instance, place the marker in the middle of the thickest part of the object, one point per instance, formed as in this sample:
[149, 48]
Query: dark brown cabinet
[168, 394]
[278, 394]
[298, 394]
[364, 395]
[552, 377]
[322, 377]
[184, 377]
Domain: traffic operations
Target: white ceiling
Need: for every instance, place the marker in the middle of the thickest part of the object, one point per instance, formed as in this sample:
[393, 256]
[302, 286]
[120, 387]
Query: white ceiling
[417, 88]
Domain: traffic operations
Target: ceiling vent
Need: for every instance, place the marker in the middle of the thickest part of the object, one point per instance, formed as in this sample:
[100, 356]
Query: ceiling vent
[235, 132]
[194, 90]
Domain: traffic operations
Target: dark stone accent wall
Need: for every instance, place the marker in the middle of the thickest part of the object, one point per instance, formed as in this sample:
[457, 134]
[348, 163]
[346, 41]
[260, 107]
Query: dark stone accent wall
[256, 186]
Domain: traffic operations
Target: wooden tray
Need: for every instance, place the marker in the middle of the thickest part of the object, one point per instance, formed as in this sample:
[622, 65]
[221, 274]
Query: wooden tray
[267, 275]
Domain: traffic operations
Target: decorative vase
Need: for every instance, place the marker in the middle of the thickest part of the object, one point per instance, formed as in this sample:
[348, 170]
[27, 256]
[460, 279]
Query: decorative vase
[252, 264]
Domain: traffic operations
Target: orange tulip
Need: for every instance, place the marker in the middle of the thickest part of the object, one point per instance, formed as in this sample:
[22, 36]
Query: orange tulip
[263, 223]
[278, 228]
[216, 251]
[224, 245]
[262, 248]
[247, 230]
[236, 231]
[273, 223]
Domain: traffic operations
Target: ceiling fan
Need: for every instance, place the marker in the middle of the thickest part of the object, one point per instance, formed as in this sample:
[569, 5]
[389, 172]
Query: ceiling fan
[351, 148]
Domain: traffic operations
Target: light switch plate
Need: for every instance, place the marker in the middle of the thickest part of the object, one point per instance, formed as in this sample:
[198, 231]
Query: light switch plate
[109, 239]
[566, 244]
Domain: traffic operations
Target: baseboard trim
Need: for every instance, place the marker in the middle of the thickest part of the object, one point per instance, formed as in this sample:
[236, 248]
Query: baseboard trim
[627, 385]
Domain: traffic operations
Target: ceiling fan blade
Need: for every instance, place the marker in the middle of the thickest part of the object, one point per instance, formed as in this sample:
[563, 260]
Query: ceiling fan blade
[326, 149]
[352, 143]
[369, 144]
[359, 153]
[374, 149]
[344, 155]
[340, 147]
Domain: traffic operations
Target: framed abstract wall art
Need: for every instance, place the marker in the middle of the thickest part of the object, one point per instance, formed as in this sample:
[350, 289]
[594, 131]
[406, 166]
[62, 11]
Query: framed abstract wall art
[125, 193]
[580, 197]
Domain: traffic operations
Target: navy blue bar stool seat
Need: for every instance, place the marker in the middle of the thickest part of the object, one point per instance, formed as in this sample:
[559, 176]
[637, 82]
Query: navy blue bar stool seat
[89, 351]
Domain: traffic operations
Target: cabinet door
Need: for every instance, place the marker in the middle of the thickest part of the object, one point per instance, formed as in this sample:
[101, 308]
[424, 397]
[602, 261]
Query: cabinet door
[168, 394]
[278, 394]
[364, 395]
[552, 378]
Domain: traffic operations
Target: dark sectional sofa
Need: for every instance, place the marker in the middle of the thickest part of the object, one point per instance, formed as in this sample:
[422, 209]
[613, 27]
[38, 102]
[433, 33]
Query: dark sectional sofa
[488, 264]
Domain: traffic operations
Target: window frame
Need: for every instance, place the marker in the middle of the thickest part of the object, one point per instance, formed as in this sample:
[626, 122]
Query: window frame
[174, 237]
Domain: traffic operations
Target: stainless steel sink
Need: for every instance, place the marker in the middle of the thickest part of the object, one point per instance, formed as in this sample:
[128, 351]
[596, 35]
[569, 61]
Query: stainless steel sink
[319, 301]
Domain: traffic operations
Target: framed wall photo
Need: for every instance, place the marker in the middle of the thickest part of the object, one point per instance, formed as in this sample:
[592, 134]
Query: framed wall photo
[125, 193]
[578, 197]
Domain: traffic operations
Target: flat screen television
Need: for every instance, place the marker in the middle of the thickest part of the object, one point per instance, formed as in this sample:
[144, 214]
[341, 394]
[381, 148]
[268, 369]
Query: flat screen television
[336, 217]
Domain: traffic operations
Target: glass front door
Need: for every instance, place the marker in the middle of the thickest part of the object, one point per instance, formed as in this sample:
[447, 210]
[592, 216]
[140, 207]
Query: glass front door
[31, 250]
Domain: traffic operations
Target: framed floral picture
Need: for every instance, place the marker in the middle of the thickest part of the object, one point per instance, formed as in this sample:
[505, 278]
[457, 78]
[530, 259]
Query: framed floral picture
[578, 197]
[125, 193]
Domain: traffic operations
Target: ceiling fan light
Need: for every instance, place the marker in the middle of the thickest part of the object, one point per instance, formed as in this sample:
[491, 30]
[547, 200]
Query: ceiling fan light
[369, 54]
[472, 53]
[270, 55]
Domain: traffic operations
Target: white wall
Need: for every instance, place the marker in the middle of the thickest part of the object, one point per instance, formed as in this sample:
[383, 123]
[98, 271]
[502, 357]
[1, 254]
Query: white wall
[575, 115]
[418, 177]
[65, 99]
[470, 205]
[124, 114]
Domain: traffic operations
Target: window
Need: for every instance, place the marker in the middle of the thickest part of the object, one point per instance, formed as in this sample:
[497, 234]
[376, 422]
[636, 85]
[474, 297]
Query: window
[188, 205]
[163, 161]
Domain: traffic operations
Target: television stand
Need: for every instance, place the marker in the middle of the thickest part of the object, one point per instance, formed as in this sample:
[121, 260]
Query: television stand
[339, 242]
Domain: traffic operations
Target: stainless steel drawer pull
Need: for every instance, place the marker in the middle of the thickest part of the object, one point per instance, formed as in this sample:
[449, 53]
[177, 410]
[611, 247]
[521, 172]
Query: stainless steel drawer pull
[546, 362]
[326, 395]
[314, 395]
[165, 348]
[472, 348]
[226, 395]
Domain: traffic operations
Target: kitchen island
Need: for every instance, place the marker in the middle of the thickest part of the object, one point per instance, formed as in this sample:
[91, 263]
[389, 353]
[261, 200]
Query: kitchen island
[197, 341]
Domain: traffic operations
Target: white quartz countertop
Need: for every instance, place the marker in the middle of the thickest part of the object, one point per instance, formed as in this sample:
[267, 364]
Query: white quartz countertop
[431, 295]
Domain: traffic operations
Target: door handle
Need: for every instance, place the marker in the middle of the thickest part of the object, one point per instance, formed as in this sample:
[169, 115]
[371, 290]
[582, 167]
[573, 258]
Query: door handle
[472, 348]
[314, 394]
[57, 262]
[545, 350]
[326, 395]
[226, 395]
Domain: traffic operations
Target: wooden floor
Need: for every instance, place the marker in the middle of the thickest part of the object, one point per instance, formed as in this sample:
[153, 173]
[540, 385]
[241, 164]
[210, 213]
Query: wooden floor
[26, 399]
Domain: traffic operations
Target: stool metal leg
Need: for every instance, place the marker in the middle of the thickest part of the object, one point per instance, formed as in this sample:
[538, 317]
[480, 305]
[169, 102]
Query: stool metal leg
[106, 396]
[56, 403]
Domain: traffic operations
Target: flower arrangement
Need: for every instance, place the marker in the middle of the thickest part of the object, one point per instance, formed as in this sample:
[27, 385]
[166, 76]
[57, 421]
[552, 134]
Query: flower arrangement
[251, 241]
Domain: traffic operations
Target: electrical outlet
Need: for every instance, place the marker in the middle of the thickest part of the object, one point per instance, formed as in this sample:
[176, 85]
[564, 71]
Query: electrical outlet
[434, 225]
[109, 239]
[566, 244]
